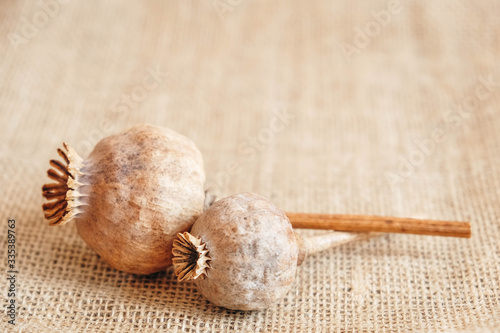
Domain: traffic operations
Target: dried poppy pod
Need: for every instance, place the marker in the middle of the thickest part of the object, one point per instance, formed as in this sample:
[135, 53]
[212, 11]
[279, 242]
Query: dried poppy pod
[243, 253]
[130, 197]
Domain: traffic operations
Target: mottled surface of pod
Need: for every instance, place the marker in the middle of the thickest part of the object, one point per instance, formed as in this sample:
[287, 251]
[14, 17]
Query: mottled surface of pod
[253, 252]
[134, 193]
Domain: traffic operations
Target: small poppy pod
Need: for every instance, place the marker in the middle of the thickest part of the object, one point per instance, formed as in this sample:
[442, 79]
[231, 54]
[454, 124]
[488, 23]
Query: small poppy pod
[242, 253]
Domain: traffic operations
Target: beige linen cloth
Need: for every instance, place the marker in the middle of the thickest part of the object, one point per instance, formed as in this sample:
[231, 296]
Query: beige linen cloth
[357, 107]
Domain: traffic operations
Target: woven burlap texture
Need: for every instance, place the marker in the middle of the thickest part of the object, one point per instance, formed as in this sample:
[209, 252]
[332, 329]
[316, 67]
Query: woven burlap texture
[357, 107]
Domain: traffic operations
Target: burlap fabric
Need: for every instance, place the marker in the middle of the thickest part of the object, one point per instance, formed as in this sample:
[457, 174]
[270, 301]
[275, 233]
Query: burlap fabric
[375, 107]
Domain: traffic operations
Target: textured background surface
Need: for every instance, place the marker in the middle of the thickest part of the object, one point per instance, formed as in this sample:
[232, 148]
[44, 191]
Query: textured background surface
[281, 104]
